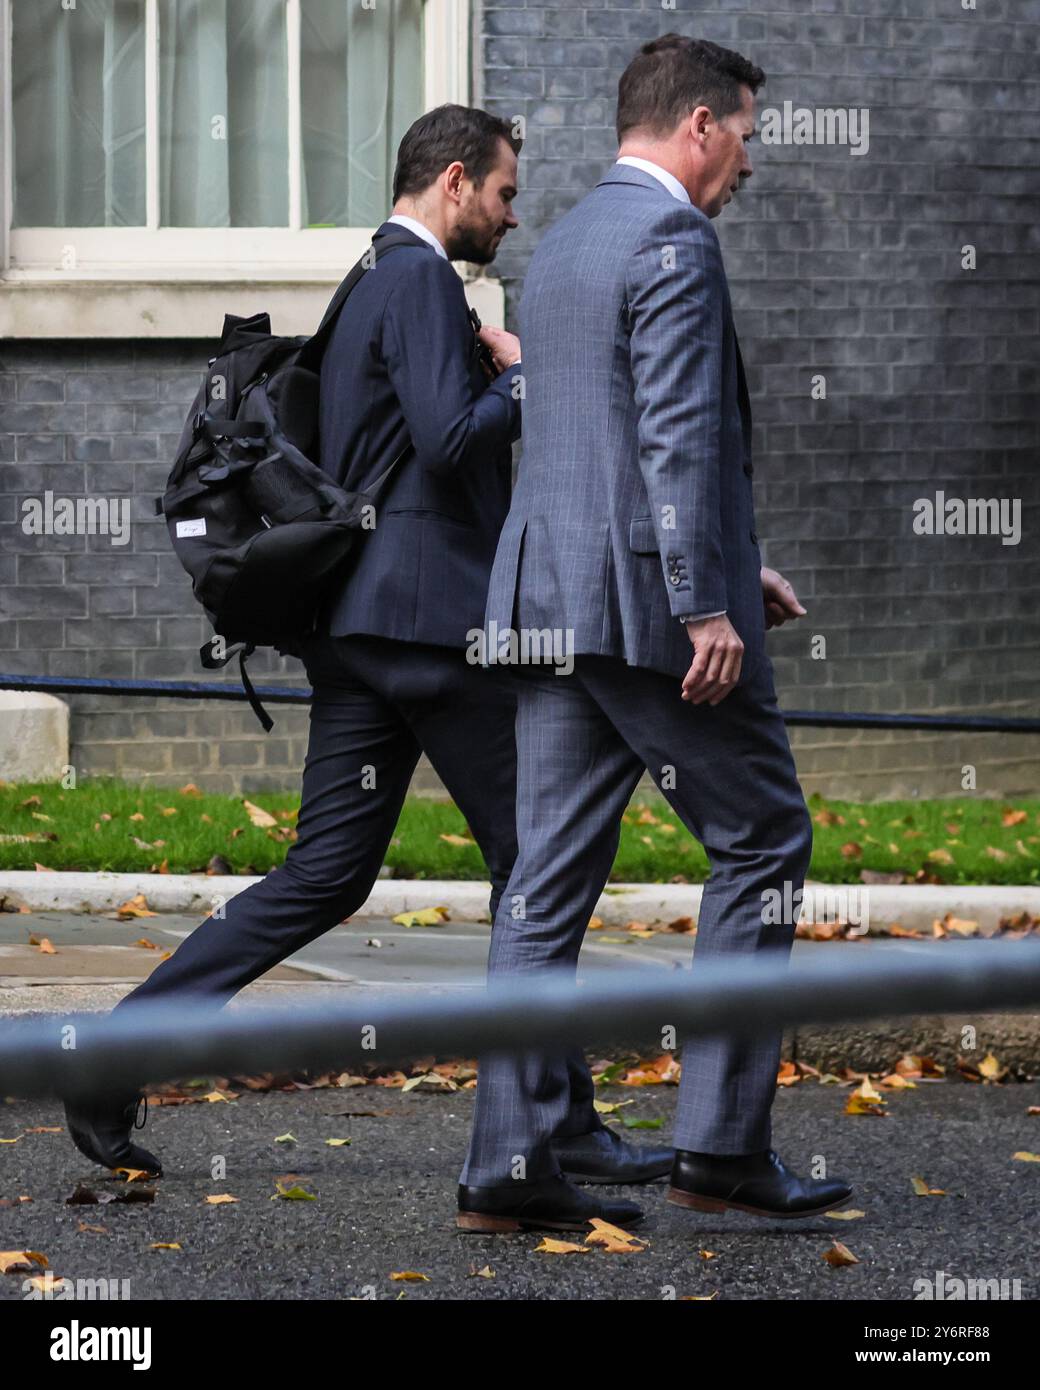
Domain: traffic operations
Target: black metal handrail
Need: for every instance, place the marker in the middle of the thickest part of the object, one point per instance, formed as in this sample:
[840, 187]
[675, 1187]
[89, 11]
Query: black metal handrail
[290, 695]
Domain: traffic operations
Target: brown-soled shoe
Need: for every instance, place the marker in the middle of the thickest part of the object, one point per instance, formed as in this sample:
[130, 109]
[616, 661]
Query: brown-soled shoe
[756, 1183]
[552, 1204]
[604, 1157]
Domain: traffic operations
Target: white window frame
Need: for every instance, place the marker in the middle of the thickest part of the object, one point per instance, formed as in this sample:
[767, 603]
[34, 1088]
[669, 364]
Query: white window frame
[161, 272]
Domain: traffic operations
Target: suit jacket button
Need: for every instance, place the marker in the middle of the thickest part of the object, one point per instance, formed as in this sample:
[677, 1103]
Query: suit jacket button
[674, 578]
[748, 469]
[754, 538]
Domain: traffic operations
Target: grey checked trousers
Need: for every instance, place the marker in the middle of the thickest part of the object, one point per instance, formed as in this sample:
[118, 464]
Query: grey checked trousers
[583, 741]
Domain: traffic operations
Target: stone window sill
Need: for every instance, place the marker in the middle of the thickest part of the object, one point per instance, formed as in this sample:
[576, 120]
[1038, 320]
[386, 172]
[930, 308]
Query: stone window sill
[140, 308]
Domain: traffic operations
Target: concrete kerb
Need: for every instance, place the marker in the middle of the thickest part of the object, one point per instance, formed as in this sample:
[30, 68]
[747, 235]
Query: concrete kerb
[914, 906]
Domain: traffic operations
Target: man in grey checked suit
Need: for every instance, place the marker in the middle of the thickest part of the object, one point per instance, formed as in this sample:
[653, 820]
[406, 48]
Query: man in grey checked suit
[632, 530]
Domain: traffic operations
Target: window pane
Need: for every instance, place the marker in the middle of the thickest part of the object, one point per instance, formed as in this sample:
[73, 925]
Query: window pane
[78, 112]
[223, 113]
[362, 72]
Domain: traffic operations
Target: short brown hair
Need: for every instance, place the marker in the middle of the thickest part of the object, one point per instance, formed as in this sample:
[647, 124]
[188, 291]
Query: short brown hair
[673, 75]
[444, 135]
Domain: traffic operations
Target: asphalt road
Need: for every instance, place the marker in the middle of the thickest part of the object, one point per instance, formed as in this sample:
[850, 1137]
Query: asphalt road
[385, 1203]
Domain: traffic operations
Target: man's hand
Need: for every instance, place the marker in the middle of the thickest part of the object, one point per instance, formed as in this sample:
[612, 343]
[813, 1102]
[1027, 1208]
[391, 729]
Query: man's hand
[780, 600]
[504, 347]
[715, 669]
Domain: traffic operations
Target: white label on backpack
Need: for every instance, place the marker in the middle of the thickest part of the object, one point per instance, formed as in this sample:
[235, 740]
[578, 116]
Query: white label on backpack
[191, 528]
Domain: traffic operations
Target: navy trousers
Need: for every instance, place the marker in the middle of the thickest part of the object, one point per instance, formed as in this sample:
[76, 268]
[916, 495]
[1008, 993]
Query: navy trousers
[583, 741]
[377, 704]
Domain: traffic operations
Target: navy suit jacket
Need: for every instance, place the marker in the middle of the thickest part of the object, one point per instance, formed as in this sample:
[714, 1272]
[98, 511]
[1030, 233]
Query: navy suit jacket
[402, 363]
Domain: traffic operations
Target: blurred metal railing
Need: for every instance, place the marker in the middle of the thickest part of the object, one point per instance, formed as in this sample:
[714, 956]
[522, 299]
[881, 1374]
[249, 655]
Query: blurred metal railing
[69, 1054]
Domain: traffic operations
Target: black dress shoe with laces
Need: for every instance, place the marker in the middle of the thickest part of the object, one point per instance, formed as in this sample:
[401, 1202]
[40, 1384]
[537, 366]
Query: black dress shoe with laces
[101, 1130]
[551, 1204]
[756, 1183]
[603, 1156]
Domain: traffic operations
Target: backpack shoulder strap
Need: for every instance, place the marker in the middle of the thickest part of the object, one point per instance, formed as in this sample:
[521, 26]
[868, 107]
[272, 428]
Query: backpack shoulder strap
[312, 350]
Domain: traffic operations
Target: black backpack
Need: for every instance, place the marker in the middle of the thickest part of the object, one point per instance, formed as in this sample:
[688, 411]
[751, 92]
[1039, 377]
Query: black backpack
[258, 525]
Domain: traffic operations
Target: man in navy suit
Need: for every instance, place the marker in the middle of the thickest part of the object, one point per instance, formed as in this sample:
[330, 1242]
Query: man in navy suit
[389, 670]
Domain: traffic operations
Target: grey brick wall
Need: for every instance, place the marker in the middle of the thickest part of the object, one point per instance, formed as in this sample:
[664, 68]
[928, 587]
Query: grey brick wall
[850, 266]
[842, 265]
[96, 419]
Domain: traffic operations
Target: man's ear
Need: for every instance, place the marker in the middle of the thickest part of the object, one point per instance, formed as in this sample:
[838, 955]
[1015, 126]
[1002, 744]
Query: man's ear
[700, 119]
[453, 177]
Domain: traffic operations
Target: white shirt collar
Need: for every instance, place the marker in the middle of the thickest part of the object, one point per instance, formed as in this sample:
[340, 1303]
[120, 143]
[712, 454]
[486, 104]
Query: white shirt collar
[670, 182]
[420, 230]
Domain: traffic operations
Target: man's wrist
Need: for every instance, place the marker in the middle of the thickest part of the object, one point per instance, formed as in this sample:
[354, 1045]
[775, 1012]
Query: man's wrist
[699, 617]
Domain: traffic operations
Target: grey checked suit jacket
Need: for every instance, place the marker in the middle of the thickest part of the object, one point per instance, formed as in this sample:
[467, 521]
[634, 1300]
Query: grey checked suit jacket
[633, 500]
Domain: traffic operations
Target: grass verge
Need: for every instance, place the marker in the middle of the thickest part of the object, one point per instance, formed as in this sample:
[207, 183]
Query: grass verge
[104, 824]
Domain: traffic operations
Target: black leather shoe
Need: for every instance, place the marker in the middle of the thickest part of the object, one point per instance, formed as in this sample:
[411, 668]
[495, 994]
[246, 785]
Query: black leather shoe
[603, 1156]
[551, 1204]
[101, 1130]
[757, 1183]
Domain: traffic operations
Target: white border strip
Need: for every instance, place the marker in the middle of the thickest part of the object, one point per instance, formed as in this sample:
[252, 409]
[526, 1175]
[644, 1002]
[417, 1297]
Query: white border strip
[912, 905]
